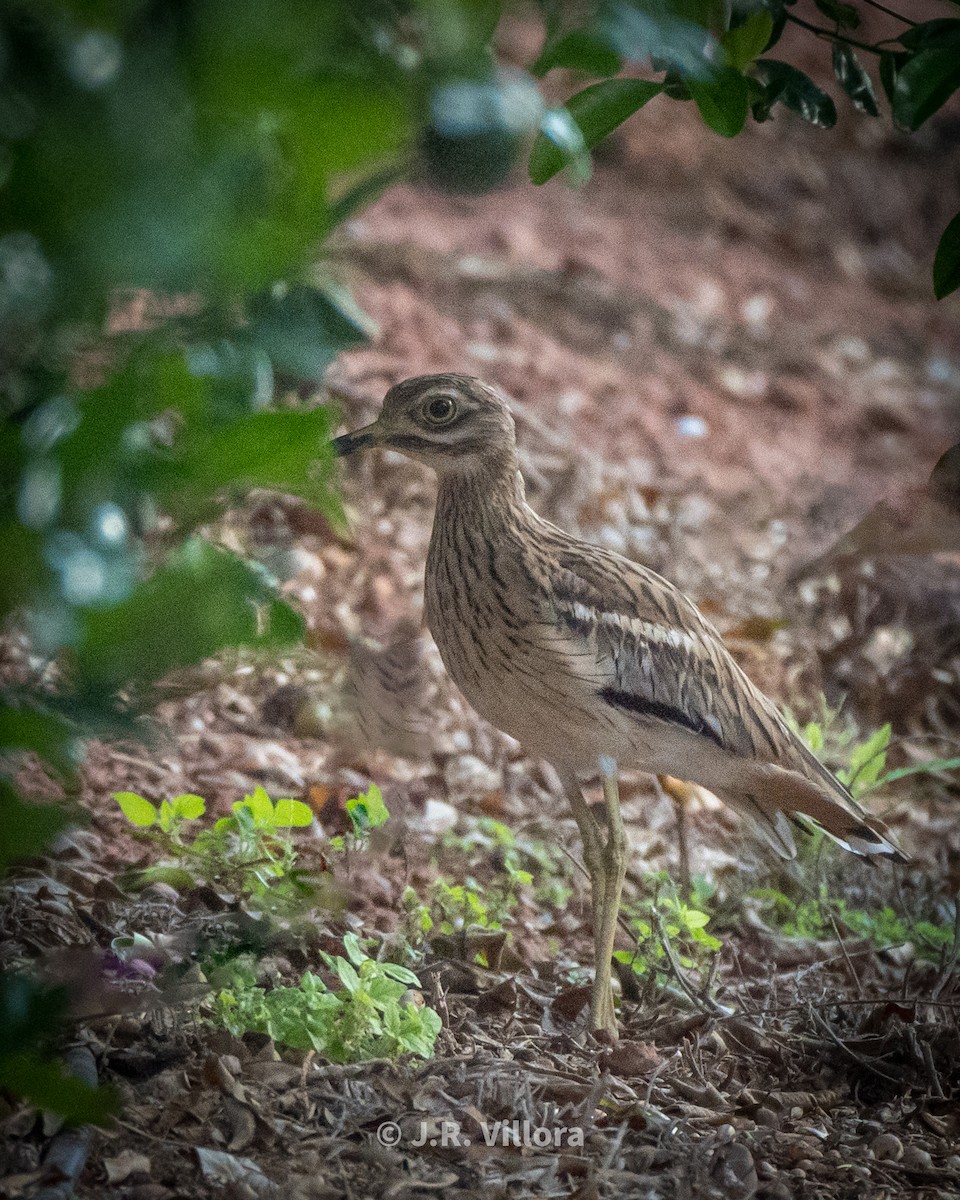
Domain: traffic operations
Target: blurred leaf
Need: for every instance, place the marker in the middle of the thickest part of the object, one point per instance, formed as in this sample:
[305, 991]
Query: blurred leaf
[48, 1087]
[47, 734]
[597, 111]
[259, 805]
[202, 600]
[891, 63]
[188, 806]
[942, 33]
[26, 829]
[29, 1014]
[845, 15]
[674, 35]
[302, 329]
[867, 761]
[578, 50]
[722, 101]
[946, 264]
[175, 877]
[924, 768]
[925, 84]
[743, 43]
[477, 129]
[287, 450]
[136, 809]
[292, 812]
[368, 810]
[784, 84]
[854, 79]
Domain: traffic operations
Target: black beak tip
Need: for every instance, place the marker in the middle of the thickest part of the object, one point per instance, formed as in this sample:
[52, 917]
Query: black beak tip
[342, 446]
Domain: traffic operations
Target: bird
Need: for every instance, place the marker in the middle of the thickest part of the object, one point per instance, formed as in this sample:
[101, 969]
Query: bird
[593, 662]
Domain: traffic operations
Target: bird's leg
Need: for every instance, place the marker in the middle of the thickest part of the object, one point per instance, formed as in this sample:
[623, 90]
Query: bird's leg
[605, 861]
[592, 839]
[614, 859]
[677, 791]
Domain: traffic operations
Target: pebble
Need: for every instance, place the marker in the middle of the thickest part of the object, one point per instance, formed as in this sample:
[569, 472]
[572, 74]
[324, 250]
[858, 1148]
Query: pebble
[887, 1146]
[692, 426]
[916, 1159]
[467, 773]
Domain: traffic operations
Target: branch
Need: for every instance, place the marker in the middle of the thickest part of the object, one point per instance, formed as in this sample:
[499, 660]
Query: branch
[889, 11]
[819, 31]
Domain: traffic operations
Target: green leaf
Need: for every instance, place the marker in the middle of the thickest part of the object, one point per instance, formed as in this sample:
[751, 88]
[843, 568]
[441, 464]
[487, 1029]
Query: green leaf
[891, 63]
[260, 806]
[722, 101]
[354, 951]
[597, 111]
[50, 735]
[784, 84]
[188, 806]
[854, 79]
[48, 1086]
[924, 768]
[136, 809]
[287, 451]
[924, 84]
[303, 329]
[743, 43]
[845, 15]
[946, 264]
[577, 50]
[26, 830]
[401, 974]
[292, 812]
[940, 34]
[202, 600]
[867, 761]
[368, 810]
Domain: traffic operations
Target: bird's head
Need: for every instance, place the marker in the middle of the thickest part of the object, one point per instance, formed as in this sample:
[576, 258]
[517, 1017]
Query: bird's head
[453, 423]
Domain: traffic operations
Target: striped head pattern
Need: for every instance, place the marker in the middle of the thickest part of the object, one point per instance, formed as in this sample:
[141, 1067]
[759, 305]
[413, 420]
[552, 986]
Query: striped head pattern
[453, 423]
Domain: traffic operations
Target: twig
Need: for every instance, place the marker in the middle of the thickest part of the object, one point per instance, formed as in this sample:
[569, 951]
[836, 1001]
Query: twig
[889, 11]
[830, 35]
[703, 1002]
[857, 1058]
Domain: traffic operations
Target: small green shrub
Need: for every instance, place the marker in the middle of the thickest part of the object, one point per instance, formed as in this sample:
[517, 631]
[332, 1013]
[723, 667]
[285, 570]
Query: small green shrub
[823, 917]
[371, 1015]
[684, 925]
[249, 853]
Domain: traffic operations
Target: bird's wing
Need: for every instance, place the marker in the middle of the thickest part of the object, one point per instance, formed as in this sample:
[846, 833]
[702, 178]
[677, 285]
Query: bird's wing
[662, 660]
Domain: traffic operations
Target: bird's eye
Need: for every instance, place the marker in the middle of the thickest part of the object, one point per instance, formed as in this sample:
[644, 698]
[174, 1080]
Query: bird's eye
[440, 410]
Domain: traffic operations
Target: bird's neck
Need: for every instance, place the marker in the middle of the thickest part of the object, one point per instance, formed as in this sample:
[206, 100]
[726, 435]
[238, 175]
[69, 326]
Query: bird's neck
[491, 494]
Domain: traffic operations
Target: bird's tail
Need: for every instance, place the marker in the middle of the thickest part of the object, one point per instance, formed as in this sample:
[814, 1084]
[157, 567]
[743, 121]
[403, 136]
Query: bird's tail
[772, 797]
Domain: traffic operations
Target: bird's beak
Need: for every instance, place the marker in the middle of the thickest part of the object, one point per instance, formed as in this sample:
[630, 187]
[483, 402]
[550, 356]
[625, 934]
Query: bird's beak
[358, 440]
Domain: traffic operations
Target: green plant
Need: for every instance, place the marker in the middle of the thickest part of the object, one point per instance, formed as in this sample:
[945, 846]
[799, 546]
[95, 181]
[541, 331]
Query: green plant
[824, 916]
[520, 859]
[667, 918]
[715, 55]
[366, 811]
[249, 853]
[371, 1015]
[861, 765]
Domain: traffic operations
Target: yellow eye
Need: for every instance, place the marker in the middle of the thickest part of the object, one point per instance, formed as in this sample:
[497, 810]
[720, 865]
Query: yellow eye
[440, 410]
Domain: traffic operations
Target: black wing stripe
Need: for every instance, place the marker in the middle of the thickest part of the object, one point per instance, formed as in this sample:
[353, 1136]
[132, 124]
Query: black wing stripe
[643, 706]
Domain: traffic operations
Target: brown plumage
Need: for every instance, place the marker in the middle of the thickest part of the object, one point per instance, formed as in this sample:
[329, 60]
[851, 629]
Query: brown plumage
[590, 660]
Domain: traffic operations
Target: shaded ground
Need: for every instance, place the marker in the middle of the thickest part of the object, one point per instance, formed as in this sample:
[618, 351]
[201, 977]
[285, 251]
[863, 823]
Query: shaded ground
[721, 355]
